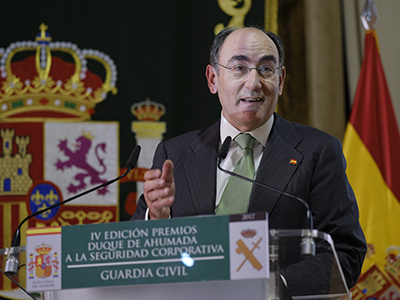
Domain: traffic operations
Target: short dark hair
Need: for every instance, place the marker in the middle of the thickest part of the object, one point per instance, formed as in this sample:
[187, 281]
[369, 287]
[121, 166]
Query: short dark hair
[223, 34]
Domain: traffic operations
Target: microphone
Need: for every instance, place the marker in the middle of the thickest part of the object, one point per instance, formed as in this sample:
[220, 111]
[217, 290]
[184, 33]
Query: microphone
[307, 245]
[11, 267]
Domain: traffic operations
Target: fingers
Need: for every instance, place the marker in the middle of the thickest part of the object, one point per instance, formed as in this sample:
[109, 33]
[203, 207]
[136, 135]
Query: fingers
[155, 189]
[159, 190]
[161, 208]
[152, 174]
[168, 171]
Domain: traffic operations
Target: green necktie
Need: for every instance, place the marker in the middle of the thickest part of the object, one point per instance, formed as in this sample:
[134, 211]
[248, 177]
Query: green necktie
[235, 197]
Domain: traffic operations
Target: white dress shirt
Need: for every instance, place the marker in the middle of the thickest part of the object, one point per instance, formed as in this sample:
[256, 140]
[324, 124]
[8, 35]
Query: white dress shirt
[260, 134]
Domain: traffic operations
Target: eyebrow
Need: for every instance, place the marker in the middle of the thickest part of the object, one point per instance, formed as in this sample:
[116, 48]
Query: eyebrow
[265, 58]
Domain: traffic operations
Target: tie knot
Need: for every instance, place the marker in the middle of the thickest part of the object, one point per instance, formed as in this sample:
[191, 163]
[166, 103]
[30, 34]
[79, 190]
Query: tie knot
[245, 141]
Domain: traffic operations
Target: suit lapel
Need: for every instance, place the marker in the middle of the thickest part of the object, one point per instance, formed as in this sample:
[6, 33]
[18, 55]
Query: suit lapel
[201, 169]
[275, 168]
[280, 160]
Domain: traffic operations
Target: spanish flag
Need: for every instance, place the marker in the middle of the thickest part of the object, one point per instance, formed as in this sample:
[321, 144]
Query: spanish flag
[372, 149]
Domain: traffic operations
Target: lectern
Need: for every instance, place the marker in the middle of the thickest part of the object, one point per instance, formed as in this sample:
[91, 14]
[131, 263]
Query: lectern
[204, 257]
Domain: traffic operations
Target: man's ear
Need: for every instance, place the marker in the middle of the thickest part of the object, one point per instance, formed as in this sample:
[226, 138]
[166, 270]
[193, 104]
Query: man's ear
[282, 77]
[212, 76]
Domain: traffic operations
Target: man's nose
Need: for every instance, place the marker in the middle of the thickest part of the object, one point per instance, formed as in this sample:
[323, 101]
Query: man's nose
[253, 79]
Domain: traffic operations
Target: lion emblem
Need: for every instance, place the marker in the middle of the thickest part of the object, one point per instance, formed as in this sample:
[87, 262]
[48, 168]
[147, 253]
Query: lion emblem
[78, 159]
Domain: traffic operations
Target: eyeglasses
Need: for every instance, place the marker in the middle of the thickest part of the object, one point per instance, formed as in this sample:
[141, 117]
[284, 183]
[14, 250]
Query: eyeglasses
[240, 71]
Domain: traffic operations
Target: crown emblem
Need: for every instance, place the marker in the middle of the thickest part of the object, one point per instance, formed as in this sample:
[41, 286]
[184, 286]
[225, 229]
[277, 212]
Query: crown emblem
[88, 135]
[248, 233]
[43, 249]
[148, 110]
[48, 79]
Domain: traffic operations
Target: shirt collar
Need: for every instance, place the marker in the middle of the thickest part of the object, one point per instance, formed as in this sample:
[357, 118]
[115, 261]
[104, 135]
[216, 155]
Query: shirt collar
[261, 133]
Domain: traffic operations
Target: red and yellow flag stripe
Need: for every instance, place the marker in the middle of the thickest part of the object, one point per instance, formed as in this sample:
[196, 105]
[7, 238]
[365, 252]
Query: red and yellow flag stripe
[372, 146]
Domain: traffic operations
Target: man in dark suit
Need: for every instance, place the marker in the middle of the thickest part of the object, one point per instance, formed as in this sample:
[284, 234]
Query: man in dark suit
[246, 70]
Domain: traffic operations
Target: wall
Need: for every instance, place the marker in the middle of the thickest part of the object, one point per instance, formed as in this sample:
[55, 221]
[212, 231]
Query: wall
[389, 41]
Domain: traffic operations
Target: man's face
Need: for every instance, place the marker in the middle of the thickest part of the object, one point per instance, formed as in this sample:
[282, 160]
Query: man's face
[249, 101]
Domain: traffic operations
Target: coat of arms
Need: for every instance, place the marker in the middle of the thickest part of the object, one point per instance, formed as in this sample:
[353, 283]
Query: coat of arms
[43, 262]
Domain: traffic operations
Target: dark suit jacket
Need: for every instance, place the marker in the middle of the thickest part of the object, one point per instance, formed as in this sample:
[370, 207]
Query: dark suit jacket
[318, 177]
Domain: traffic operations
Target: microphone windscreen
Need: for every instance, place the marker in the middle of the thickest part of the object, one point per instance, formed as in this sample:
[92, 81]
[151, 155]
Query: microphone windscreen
[133, 158]
[223, 152]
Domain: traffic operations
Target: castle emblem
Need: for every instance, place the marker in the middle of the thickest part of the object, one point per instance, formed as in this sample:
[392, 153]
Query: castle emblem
[14, 169]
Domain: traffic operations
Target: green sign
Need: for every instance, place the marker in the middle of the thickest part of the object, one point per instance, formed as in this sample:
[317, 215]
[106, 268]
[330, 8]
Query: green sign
[178, 250]
[146, 252]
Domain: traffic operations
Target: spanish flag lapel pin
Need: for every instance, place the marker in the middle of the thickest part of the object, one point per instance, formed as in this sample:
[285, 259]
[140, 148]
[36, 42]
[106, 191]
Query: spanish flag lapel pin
[293, 162]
